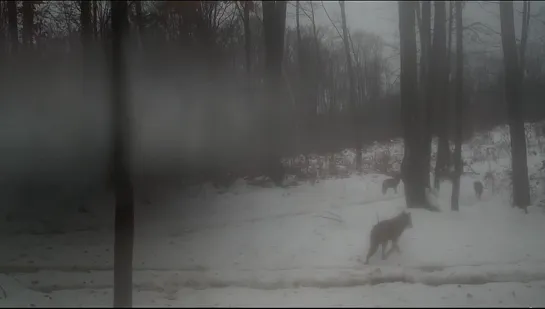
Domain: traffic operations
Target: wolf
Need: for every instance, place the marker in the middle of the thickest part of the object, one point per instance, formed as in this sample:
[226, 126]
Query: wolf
[390, 183]
[490, 181]
[388, 230]
[478, 186]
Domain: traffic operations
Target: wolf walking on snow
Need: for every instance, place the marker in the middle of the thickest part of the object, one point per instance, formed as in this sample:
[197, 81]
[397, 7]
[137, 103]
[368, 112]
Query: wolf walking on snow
[390, 183]
[478, 187]
[386, 231]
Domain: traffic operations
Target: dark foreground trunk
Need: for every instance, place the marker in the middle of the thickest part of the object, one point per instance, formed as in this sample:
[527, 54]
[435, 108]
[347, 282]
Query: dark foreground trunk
[274, 22]
[413, 166]
[352, 91]
[513, 86]
[454, 200]
[12, 22]
[124, 201]
[426, 78]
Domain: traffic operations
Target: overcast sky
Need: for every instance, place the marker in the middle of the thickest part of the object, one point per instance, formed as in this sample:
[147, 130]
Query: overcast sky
[381, 17]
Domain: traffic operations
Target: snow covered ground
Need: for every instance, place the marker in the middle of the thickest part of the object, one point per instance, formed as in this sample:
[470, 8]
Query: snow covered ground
[299, 246]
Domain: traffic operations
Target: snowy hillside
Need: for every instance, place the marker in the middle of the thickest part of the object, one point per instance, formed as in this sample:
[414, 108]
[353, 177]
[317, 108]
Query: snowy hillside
[303, 245]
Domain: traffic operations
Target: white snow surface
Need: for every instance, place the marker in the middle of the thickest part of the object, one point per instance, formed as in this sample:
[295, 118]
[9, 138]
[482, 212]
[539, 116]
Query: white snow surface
[298, 246]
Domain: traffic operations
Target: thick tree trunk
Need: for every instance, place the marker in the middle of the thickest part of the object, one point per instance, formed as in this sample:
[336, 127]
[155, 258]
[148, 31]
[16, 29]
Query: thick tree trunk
[454, 200]
[426, 79]
[412, 167]
[274, 21]
[28, 24]
[85, 21]
[95, 20]
[524, 36]
[86, 37]
[13, 31]
[302, 89]
[352, 91]
[247, 37]
[513, 94]
[123, 190]
[139, 24]
[440, 78]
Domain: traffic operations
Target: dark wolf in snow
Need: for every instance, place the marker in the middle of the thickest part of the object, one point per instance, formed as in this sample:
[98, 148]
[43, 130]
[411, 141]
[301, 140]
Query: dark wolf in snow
[478, 186]
[386, 231]
[391, 183]
[490, 181]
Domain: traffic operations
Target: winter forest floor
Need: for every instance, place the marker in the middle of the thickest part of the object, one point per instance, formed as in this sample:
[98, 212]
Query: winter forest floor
[298, 246]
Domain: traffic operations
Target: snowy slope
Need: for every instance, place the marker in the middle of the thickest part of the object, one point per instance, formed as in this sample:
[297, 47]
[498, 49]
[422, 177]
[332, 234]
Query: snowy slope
[266, 246]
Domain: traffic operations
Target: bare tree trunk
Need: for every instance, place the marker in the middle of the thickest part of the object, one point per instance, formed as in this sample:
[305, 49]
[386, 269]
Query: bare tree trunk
[124, 200]
[86, 37]
[513, 94]
[274, 21]
[302, 91]
[412, 167]
[524, 36]
[139, 24]
[316, 42]
[247, 37]
[319, 75]
[426, 79]
[85, 21]
[440, 77]
[28, 24]
[448, 87]
[352, 90]
[95, 19]
[454, 200]
[13, 31]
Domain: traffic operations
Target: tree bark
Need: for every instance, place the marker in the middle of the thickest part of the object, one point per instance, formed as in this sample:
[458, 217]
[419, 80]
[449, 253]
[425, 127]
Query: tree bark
[95, 20]
[440, 80]
[86, 34]
[352, 91]
[524, 36]
[139, 24]
[247, 37]
[123, 190]
[85, 21]
[28, 24]
[454, 200]
[448, 88]
[274, 22]
[13, 31]
[302, 89]
[412, 112]
[513, 94]
[426, 79]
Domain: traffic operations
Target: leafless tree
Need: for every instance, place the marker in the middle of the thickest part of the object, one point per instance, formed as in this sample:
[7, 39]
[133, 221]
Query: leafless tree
[440, 82]
[513, 94]
[274, 21]
[427, 61]
[458, 167]
[28, 24]
[412, 167]
[122, 185]
[13, 30]
[352, 91]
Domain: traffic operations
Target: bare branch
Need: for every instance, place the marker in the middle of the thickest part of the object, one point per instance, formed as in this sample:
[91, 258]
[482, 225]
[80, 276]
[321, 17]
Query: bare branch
[330, 20]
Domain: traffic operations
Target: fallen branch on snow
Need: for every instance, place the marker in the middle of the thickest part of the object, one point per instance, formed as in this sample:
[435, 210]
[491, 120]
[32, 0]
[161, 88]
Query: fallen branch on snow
[4, 292]
[335, 219]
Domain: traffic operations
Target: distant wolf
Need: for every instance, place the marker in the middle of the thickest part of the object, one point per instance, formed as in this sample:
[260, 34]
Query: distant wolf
[388, 230]
[478, 186]
[390, 183]
[489, 180]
